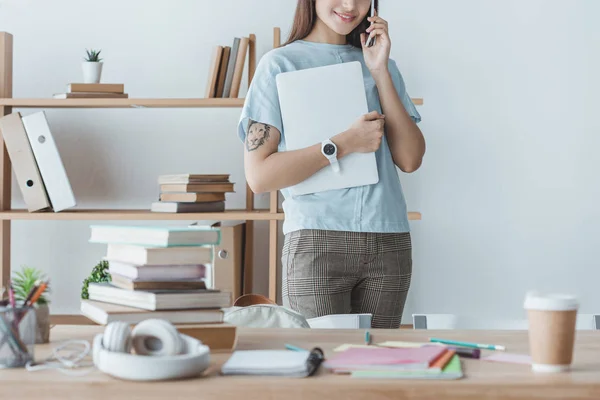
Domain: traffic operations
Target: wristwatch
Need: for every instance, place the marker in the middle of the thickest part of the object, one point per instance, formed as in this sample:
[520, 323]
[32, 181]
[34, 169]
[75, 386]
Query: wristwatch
[329, 150]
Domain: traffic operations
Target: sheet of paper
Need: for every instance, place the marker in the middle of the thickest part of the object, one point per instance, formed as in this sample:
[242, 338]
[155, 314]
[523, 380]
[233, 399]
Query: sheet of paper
[407, 344]
[509, 358]
[346, 346]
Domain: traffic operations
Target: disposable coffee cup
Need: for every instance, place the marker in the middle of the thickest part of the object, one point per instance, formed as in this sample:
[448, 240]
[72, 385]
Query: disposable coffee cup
[552, 320]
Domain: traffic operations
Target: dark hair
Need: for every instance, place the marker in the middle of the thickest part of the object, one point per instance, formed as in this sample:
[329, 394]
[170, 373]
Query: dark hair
[306, 16]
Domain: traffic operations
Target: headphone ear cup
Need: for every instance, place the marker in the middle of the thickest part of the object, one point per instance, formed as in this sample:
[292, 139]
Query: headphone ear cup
[156, 337]
[117, 337]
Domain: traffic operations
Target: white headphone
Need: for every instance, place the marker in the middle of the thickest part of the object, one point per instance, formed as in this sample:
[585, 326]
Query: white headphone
[161, 352]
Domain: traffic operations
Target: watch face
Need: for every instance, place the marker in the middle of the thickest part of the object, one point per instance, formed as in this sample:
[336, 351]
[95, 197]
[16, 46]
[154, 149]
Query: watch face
[329, 149]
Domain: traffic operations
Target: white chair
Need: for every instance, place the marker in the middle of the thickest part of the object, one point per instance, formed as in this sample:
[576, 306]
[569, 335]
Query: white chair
[453, 321]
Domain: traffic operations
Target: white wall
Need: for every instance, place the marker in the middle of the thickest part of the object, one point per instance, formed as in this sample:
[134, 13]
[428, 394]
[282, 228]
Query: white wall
[507, 191]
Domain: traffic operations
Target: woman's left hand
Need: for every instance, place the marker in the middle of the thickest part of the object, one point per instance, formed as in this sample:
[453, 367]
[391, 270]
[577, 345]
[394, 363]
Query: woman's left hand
[377, 56]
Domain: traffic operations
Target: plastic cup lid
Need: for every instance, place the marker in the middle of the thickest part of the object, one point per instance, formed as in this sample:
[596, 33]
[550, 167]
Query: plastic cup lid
[550, 302]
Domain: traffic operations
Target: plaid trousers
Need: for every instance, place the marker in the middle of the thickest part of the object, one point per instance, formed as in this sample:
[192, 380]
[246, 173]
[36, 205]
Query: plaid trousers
[331, 272]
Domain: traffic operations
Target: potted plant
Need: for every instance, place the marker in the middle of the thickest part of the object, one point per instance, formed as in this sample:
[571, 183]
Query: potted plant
[92, 66]
[99, 274]
[23, 281]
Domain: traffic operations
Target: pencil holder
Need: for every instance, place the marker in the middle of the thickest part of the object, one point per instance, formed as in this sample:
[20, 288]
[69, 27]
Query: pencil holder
[18, 329]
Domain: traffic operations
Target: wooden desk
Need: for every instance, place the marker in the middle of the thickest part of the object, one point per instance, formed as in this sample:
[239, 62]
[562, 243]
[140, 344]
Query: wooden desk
[483, 379]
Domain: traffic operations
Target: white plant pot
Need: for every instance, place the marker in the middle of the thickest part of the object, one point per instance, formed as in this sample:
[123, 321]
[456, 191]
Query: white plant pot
[92, 71]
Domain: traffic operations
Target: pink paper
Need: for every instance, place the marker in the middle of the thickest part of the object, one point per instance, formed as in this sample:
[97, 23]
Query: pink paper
[509, 358]
[387, 356]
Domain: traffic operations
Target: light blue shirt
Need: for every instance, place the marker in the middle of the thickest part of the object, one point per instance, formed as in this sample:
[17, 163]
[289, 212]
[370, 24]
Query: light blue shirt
[380, 207]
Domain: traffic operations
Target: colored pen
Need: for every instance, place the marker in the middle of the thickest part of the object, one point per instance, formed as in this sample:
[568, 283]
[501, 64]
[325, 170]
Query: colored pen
[368, 338]
[467, 344]
[11, 295]
[294, 348]
[466, 352]
[31, 292]
[38, 293]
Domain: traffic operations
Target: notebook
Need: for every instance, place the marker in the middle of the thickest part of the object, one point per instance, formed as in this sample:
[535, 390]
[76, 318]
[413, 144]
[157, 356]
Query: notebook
[286, 363]
[158, 236]
[382, 359]
[452, 370]
[317, 104]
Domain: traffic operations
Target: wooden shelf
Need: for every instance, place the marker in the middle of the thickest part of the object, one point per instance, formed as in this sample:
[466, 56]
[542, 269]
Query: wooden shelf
[138, 215]
[122, 103]
[145, 215]
[131, 103]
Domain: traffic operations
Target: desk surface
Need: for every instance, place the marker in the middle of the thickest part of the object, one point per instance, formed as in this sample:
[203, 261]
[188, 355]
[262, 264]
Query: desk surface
[483, 379]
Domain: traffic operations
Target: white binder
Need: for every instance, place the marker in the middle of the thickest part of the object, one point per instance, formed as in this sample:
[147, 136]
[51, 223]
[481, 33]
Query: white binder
[317, 104]
[49, 161]
[23, 163]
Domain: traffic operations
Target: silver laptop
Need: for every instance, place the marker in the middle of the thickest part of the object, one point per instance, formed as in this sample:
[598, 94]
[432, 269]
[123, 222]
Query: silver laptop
[317, 104]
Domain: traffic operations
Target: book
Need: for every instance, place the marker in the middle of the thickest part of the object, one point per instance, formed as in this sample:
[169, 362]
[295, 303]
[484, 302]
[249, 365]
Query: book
[85, 95]
[239, 67]
[49, 161]
[218, 337]
[156, 272]
[23, 163]
[141, 255]
[96, 87]
[206, 187]
[385, 359]
[192, 197]
[213, 72]
[158, 300]
[231, 67]
[105, 313]
[192, 178]
[223, 71]
[156, 236]
[126, 283]
[175, 207]
[452, 370]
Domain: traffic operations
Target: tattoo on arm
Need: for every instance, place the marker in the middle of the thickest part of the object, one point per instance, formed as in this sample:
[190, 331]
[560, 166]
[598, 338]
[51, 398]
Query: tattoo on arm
[258, 134]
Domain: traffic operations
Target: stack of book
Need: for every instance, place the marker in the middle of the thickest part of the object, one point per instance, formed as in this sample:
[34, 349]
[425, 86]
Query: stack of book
[93, 91]
[226, 68]
[186, 193]
[156, 272]
[38, 167]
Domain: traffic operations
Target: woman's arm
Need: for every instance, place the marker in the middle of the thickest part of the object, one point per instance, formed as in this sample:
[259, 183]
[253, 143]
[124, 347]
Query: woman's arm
[403, 135]
[268, 170]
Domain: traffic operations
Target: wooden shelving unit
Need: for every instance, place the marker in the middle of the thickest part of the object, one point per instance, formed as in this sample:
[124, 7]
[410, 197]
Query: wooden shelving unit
[122, 103]
[250, 214]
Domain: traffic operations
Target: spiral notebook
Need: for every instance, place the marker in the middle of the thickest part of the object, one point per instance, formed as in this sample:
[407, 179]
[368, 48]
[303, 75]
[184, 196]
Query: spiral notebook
[286, 363]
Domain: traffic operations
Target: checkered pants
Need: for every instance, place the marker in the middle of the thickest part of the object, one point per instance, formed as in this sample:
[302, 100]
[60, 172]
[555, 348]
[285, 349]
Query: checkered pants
[331, 272]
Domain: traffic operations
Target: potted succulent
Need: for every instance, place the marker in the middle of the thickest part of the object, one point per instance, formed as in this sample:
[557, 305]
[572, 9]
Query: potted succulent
[22, 282]
[92, 66]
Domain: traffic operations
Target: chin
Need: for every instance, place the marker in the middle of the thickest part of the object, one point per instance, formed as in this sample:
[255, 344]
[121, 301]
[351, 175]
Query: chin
[341, 26]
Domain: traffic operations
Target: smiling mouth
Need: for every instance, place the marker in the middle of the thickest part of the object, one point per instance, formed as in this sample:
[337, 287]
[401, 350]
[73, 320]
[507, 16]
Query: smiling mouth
[345, 17]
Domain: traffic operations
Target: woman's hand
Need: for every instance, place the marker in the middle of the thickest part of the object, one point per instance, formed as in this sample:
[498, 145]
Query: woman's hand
[364, 136]
[377, 56]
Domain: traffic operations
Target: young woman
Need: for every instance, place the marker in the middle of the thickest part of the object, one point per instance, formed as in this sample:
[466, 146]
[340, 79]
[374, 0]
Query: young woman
[348, 250]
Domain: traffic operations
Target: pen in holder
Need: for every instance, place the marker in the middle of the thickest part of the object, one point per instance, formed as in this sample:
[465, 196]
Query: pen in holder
[18, 329]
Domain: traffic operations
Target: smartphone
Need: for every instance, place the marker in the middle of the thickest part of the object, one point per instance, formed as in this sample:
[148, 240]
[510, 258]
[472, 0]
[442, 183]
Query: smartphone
[371, 41]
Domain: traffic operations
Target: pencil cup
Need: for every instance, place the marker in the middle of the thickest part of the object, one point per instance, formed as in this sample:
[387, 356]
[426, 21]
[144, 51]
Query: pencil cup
[552, 320]
[18, 329]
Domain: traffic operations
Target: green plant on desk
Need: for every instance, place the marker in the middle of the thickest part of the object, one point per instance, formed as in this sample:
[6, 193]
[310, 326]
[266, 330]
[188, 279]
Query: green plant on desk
[93, 55]
[23, 281]
[99, 274]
